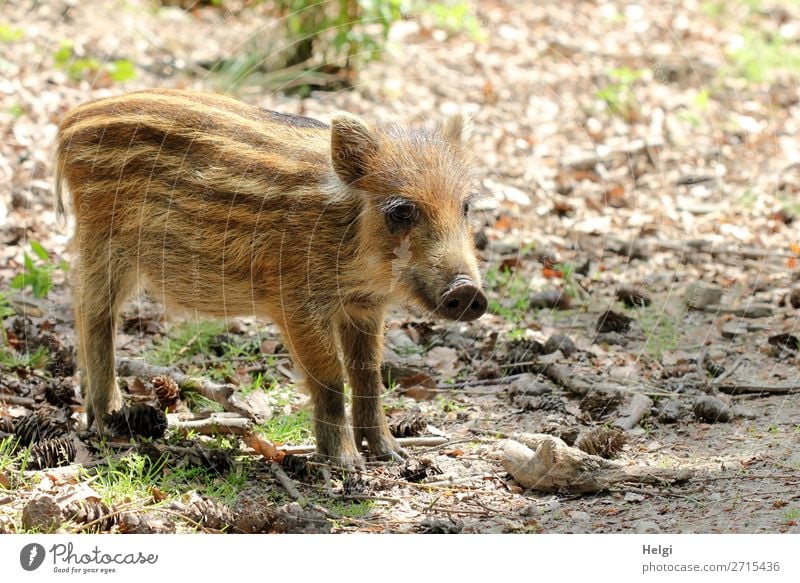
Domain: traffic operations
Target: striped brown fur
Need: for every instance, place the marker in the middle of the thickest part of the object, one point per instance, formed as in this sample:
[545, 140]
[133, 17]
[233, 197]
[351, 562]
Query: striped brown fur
[226, 209]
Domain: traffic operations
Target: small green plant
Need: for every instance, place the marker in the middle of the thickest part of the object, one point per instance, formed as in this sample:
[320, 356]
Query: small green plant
[11, 455]
[453, 16]
[292, 428]
[26, 360]
[185, 340]
[134, 476]
[10, 34]
[699, 107]
[793, 514]
[763, 56]
[16, 111]
[77, 67]
[347, 509]
[508, 294]
[37, 271]
[618, 93]
[5, 308]
[568, 275]
[660, 329]
[449, 405]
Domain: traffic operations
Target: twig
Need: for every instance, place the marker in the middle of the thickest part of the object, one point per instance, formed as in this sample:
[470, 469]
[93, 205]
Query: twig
[215, 425]
[72, 471]
[737, 388]
[476, 383]
[561, 375]
[638, 407]
[287, 483]
[736, 364]
[402, 441]
[14, 400]
[222, 394]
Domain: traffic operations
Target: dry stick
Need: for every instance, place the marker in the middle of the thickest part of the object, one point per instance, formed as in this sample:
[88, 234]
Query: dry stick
[497, 381]
[222, 394]
[291, 489]
[403, 441]
[737, 363]
[14, 400]
[72, 471]
[737, 388]
[561, 375]
[215, 425]
[287, 483]
[546, 464]
[639, 406]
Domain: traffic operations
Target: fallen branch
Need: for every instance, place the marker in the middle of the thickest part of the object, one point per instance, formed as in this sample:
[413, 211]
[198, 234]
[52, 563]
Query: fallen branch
[72, 471]
[481, 382]
[222, 394]
[287, 483]
[637, 409]
[215, 424]
[14, 400]
[738, 388]
[561, 375]
[402, 441]
[550, 465]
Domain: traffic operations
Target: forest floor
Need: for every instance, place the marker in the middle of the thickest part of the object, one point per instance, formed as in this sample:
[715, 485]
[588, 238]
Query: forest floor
[649, 155]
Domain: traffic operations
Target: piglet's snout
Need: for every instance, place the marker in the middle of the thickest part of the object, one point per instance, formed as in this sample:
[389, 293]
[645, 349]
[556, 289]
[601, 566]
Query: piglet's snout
[462, 300]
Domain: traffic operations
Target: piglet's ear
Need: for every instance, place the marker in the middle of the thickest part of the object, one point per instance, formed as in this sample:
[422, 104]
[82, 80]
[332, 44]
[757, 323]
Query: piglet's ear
[457, 129]
[353, 144]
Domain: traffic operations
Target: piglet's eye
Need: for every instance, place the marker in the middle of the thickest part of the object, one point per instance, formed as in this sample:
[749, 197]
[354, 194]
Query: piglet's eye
[465, 209]
[401, 214]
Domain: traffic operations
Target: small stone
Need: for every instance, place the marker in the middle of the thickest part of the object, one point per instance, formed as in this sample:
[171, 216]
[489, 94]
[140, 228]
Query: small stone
[647, 527]
[700, 295]
[527, 384]
[560, 342]
[669, 410]
[712, 409]
[755, 311]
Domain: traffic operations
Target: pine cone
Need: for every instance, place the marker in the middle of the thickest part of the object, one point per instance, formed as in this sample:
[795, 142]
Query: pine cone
[52, 453]
[59, 394]
[139, 419]
[519, 353]
[36, 427]
[209, 513]
[601, 441]
[86, 511]
[167, 391]
[408, 424]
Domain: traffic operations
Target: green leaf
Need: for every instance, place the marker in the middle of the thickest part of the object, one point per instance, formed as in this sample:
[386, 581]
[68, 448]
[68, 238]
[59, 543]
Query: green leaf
[40, 251]
[9, 34]
[122, 71]
[18, 281]
[63, 55]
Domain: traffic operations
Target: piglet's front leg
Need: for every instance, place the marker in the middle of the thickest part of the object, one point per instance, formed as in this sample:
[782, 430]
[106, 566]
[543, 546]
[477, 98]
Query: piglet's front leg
[362, 345]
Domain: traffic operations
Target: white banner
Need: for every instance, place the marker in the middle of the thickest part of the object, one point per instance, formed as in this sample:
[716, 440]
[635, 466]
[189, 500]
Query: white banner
[399, 558]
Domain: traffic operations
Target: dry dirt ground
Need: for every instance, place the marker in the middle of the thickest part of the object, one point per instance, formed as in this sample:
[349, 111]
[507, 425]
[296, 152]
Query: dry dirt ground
[649, 146]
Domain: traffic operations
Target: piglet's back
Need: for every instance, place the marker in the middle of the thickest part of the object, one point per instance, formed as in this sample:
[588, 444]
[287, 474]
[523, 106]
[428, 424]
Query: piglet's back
[178, 146]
